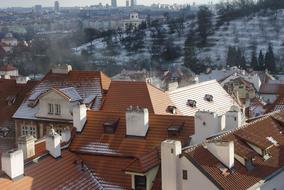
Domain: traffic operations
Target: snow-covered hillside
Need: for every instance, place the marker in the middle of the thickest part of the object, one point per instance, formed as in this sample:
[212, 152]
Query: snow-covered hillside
[247, 32]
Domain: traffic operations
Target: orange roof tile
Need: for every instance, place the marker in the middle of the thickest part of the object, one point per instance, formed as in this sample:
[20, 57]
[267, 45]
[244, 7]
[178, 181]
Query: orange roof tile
[7, 67]
[50, 173]
[93, 140]
[123, 94]
[241, 178]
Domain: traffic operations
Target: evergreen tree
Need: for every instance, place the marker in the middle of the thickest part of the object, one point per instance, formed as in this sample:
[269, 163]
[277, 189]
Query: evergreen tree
[254, 63]
[204, 23]
[190, 58]
[261, 60]
[270, 59]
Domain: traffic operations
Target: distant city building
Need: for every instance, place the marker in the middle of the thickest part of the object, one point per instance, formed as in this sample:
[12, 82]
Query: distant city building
[37, 9]
[133, 22]
[56, 6]
[133, 3]
[127, 3]
[113, 3]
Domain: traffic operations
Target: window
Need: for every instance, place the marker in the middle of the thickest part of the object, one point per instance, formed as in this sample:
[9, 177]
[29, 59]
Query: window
[57, 109]
[29, 130]
[140, 182]
[184, 174]
[50, 108]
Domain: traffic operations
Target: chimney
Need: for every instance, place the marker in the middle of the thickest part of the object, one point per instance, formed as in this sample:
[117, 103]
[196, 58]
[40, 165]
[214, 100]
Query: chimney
[233, 118]
[79, 116]
[170, 150]
[27, 145]
[13, 163]
[62, 69]
[223, 151]
[206, 124]
[137, 121]
[53, 143]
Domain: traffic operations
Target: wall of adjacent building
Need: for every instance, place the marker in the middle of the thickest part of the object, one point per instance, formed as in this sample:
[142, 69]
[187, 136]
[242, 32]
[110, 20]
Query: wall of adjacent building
[195, 180]
[54, 98]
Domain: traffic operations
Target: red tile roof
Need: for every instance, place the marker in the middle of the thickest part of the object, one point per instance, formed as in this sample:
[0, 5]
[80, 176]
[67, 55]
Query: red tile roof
[109, 171]
[110, 155]
[123, 94]
[145, 162]
[272, 88]
[93, 140]
[50, 173]
[241, 178]
[7, 67]
[16, 93]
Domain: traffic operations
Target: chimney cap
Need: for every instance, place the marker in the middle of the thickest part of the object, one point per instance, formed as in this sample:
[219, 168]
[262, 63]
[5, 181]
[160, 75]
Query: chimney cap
[26, 138]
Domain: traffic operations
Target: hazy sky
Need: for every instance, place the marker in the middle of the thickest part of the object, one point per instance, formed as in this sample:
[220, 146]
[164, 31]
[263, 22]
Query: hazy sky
[30, 3]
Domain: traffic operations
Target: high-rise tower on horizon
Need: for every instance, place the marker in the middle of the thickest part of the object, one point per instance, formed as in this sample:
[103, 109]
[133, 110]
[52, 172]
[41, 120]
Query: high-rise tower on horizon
[113, 3]
[56, 6]
[133, 3]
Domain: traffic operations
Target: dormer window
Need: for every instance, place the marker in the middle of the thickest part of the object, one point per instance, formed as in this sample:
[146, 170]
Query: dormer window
[110, 126]
[191, 103]
[50, 109]
[174, 130]
[208, 97]
[172, 109]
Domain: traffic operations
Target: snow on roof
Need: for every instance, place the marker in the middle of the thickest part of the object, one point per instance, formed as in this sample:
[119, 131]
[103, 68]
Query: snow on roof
[75, 89]
[71, 93]
[221, 103]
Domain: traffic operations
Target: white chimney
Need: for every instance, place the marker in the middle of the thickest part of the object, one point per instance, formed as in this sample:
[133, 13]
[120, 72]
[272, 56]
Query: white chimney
[170, 150]
[27, 144]
[206, 124]
[79, 116]
[13, 163]
[62, 69]
[233, 119]
[53, 143]
[223, 151]
[137, 121]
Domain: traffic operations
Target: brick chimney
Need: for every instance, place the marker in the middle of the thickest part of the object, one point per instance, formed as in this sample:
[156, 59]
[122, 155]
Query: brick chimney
[137, 121]
[13, 163]
[53, 144]
[27, 144]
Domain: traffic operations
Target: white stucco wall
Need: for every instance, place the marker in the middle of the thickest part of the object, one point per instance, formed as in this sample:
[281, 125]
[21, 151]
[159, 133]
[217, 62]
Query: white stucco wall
[206, 124]
[196, 180]
[54, 98]
[269, 98]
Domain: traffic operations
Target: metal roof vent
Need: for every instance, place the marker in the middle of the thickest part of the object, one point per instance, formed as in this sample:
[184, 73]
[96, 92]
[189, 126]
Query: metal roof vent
[172, 109]
[208, 97]
[191, 103]
[110, 126]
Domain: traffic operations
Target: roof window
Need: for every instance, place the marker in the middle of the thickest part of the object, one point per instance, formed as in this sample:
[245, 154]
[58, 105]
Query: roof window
[110, 126]
[208, 97]
[191, 103]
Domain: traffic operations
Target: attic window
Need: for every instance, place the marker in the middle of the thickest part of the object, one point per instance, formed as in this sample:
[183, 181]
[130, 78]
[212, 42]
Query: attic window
[174, 130]
[110, 126]
[191, 103]
[172, 109]
[208, 97]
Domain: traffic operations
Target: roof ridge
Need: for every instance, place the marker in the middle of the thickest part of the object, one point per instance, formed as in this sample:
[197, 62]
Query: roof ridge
[193, 147]
[191, 86]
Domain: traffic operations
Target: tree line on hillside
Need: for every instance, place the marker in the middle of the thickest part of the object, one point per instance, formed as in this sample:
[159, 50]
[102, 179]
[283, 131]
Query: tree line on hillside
[230, 10]
[236, 57]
